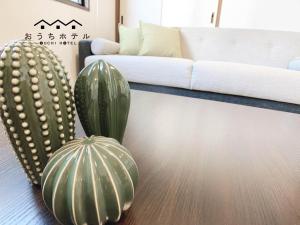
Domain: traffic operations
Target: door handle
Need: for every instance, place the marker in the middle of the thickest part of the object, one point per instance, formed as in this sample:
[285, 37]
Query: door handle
[212, 18]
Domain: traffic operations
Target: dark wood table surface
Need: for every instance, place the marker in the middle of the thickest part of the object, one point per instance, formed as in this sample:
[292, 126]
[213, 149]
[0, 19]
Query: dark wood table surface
[200, 162]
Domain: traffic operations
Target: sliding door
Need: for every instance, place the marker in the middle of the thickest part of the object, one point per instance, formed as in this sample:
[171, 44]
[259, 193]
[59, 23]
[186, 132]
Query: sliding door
[179, 13]
[189, 13]
[132, 11]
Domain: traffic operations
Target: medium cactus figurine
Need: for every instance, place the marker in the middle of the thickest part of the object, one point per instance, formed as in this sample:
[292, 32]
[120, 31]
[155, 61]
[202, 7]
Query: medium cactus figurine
[102, 98]
[36, 104]
[89, 181]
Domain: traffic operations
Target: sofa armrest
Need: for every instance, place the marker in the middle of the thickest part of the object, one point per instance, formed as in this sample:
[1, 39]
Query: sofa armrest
[84, 51]
[101, 46]
[294, 64]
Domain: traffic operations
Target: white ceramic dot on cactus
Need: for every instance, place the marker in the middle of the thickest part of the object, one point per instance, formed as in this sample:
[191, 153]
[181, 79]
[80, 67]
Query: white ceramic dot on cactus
[27, 49]
[47, 142]
[16, 73]
[51, 83]
[15, 56]
[31, 145]
[44, 62]
[31, 62]
[45, 133]
[28, 138]
[18, 142]
[4, 107]
[60, 127]
[16, 64]
[22, 116]
[15, 81]
[9, 122]
[32, 72]
[27, 132]
[56, 99]
[24, 124]
[3, 55]
[45, 126]
[29, 55]
[12, 129]
[40, 111]
[65, 88]
[54, 91]
[49, 76]
[57, 68]
[16, 49]
[42, 56]
[34, 80]
[19, 107]
[56, 106]
[46, 69]
[34, 87]
[17, 99]
[16, 90]
[38, 104]
[63, 81]
[43, 118]
[36, 96]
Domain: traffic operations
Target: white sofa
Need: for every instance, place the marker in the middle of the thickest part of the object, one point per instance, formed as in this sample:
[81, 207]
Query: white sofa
[251, 63]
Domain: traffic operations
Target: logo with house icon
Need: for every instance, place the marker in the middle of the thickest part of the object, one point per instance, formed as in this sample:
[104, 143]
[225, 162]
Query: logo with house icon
[58, 24]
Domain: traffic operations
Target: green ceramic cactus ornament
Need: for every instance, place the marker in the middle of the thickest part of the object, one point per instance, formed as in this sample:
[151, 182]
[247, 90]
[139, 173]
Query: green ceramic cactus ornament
[37, 106]
[102, 98]
[89, 181]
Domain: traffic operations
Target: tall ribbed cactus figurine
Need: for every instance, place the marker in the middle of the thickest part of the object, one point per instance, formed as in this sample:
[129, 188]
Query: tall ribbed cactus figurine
[90, 181]
[102, 98]
[36, 103]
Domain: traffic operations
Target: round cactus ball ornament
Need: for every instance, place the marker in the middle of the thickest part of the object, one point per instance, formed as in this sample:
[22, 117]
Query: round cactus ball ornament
[90, 181]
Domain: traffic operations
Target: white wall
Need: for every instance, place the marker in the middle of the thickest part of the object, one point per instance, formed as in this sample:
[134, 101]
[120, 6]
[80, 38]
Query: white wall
[261, 14]
[17, 17]
[146, 10]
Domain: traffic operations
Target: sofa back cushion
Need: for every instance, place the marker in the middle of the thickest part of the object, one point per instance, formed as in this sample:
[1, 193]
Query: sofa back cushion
[258, 47]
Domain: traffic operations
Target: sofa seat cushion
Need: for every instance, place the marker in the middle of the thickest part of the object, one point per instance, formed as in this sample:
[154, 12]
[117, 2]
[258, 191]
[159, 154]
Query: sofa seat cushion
[173, 72]
[247, 80]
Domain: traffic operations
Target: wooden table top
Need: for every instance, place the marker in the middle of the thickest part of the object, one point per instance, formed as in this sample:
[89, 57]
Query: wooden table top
[200, 163]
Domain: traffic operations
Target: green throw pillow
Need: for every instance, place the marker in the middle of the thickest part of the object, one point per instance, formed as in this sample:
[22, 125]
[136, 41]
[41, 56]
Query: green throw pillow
[129, 40]
[160, 41]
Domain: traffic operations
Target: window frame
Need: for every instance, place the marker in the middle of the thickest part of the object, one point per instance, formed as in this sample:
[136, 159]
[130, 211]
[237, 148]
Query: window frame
[85, 5]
